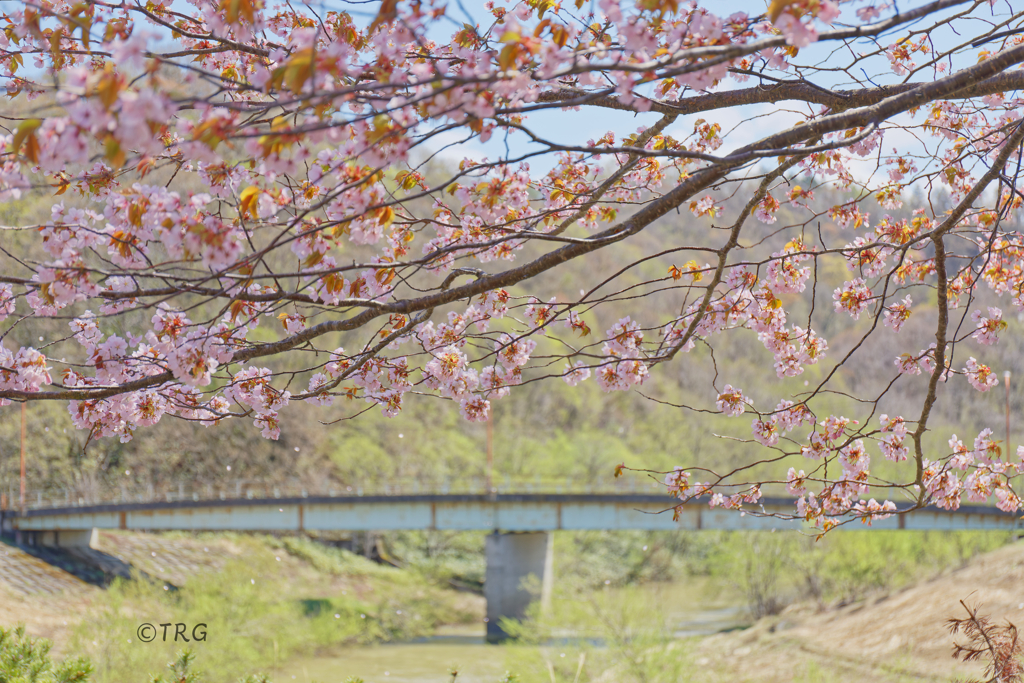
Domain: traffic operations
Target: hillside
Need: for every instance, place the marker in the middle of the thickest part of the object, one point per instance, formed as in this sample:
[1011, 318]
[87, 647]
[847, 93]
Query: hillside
[901, 636]
[544, 430]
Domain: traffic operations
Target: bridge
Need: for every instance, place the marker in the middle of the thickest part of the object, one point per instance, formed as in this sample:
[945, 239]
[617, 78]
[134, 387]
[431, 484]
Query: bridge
[520, 544]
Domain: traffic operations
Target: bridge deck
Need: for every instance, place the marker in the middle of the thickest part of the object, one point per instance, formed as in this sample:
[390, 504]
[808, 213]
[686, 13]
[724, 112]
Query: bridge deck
[500, 512]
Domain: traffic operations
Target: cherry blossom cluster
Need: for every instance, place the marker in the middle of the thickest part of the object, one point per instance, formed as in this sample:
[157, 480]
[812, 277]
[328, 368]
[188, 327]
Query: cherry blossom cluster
[987, 474]
[239, 182]
[624, 342]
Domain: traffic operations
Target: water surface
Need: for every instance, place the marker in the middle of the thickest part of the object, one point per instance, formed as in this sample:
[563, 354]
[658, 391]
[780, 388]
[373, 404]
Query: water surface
[693, 608]
[428, 659]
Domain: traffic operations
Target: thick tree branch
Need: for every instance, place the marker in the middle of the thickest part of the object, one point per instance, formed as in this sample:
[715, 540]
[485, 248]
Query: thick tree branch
[803, 91]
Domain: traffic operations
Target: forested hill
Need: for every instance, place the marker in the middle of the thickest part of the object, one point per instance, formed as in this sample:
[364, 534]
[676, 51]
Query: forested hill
[546, 430]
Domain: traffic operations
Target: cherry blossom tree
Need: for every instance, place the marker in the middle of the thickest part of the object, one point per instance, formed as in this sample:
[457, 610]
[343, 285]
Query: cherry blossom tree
[248, 210]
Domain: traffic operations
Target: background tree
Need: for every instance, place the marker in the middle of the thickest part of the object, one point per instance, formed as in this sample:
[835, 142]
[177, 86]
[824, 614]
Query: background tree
[251, 212]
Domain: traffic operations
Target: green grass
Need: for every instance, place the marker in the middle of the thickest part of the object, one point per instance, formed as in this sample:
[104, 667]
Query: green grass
[257, 616]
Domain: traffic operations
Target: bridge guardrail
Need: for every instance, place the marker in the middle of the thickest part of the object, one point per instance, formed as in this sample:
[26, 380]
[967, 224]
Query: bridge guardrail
[72, 496]
[255, 490]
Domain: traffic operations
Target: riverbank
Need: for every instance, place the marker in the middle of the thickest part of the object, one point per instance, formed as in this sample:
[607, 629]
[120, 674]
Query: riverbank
[262, 600]
[305, 611]
[890, 637]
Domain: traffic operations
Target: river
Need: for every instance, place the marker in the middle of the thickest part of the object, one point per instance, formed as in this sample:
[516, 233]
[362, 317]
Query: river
[693, 608]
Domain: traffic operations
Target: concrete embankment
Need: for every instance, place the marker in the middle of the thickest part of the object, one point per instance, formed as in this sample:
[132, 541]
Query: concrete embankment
[50, 589]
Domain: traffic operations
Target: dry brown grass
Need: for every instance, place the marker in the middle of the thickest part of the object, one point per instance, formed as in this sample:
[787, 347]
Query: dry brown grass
[902, 636]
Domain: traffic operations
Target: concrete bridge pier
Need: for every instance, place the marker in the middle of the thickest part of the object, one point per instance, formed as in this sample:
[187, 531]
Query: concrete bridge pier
[75, 538]
[511, 558]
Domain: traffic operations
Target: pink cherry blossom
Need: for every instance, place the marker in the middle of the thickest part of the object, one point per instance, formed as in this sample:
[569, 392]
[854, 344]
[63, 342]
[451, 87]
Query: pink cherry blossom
[677, 482]
[979, 375]
[898, 313]
[853, 298]
[797, 33]
[576, 373]
[795, 482]
[731, 402]
[7, 302]
[988, 328]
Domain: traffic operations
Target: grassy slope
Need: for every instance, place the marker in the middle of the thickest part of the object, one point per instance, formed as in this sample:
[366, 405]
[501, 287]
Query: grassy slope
[895, 636]
[263, 600]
